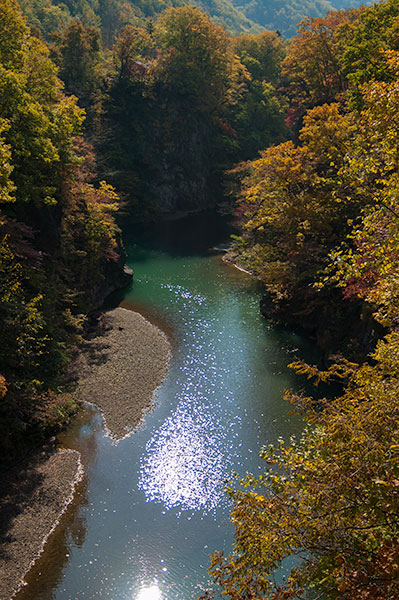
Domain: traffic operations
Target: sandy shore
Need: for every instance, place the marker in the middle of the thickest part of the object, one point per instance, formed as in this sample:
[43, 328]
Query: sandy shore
[120, 368]
[32, 500]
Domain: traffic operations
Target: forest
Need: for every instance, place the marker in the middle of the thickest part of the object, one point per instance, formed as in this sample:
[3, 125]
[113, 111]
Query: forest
[115, 113]
[237, 16]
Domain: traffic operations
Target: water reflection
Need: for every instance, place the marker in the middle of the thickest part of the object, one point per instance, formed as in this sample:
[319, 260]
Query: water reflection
[220, 401]
[47, 571]
[151, 592]
[72, 529]
[185, 461]
[184, 293]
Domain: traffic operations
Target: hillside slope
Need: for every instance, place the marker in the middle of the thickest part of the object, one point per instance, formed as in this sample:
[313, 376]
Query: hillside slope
[238, 16]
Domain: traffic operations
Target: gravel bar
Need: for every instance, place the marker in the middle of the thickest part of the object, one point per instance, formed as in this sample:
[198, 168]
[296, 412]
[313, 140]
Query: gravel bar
[32, 499]
[120, 369]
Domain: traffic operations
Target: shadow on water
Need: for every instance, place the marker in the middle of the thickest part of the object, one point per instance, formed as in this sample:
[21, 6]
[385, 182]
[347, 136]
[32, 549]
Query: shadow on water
[72, 528]
[193, 235]
[47, 571]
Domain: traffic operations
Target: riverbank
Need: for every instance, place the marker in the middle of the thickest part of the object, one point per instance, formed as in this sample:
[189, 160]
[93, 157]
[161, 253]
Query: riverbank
[123, 361]
[122, 364]
[230, 258]
[33, 498]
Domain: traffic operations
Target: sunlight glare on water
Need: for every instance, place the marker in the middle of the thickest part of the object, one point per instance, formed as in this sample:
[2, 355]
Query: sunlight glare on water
[151, 592]
[184, 466]
[187, 459]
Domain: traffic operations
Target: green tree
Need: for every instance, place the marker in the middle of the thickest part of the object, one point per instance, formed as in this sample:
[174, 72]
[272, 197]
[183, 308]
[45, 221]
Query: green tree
[262, 54]
[45, 16]
[196, 57]
[134, 44]
[79, 54]
[43, 182]
[12, 35]
[258, 117]
[38, 120]
[375, 31]
[7, 188]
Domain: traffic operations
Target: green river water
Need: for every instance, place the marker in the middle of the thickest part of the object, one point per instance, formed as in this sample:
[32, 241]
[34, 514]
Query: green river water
[152, 507]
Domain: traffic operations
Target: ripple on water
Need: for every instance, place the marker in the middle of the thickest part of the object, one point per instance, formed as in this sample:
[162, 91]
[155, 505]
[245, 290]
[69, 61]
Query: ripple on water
[187, 460]
[220, 401]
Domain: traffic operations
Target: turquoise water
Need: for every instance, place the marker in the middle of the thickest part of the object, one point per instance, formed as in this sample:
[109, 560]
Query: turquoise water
[152, 507]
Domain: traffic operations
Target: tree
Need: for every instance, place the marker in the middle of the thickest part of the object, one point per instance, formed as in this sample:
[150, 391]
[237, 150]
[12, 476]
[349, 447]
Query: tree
[12, 35]
[79, 49]
[327, 509]
[261, 54]
[329, 502]
[293, 208]
[134, 45]
[366, 265]
[38, 120]
[258, 118]
[7, 188]
[42, 184]
[196, 57]
[363, 59]
[312, 71]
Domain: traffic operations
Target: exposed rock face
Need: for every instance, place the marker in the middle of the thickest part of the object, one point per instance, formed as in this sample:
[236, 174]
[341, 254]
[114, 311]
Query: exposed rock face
[45, 223]
[116, 276]
[161, 157]
[184, 170]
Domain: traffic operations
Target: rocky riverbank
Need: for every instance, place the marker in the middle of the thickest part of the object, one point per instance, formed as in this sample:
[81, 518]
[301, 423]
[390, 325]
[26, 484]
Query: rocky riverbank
[33, 498]
[123, 361]
[120, 368]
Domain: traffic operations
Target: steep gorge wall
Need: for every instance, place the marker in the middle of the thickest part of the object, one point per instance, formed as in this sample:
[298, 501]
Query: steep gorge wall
[161, 158]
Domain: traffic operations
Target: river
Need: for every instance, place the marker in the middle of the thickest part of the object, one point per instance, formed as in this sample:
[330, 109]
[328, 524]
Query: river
[152, 507]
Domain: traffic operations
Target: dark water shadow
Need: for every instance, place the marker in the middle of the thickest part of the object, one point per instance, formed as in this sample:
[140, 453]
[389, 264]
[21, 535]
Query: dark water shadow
[193, 235]
[47, 570]
[71, 530]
